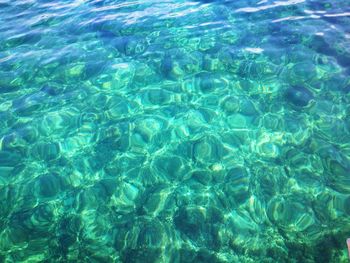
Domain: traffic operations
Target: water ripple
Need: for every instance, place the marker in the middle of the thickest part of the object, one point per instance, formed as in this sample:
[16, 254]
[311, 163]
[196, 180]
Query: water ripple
[265, 7]
[174, 131]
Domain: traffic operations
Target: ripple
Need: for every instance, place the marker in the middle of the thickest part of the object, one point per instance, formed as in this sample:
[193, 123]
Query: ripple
[174, 131]
[264, 7]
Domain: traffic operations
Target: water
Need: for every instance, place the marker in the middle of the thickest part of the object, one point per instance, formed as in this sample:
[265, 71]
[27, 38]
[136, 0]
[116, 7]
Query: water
[174, 131]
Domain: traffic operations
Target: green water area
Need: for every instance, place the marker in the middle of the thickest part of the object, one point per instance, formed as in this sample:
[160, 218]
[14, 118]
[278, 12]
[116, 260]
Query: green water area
[174, 131]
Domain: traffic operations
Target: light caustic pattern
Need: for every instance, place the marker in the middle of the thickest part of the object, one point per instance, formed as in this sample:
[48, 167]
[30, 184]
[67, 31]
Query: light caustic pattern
[174, 131]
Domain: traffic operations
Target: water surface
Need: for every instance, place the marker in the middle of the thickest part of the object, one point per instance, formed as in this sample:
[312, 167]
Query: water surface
[174, 131]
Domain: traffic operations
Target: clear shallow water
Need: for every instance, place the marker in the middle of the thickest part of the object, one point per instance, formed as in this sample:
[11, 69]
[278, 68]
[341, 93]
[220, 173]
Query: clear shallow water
[174, 131]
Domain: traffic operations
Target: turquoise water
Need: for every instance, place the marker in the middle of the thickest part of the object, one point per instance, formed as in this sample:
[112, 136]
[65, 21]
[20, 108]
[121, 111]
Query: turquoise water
[174, 131]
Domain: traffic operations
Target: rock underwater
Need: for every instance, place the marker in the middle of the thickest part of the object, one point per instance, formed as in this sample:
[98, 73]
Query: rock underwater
[299, 96]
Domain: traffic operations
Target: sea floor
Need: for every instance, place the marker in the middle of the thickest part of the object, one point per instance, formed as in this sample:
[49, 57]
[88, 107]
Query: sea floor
[174, 131]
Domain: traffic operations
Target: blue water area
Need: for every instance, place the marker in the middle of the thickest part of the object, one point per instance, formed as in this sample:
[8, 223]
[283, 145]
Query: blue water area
[174, 131]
